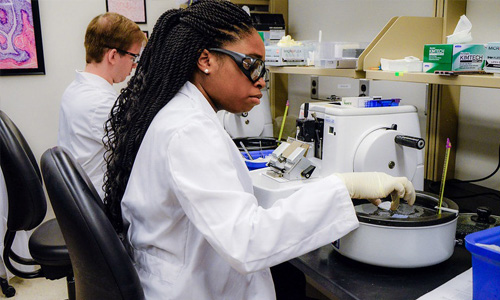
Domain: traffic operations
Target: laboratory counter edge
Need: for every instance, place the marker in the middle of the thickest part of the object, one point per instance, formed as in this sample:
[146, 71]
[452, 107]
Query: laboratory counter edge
[347, 279]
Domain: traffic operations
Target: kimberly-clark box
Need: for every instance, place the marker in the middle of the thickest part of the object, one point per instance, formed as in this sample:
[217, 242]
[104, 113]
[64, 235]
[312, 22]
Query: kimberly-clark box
[437, 57]
[468, 57]
[453, 57]
[286, 56]
[492, 58]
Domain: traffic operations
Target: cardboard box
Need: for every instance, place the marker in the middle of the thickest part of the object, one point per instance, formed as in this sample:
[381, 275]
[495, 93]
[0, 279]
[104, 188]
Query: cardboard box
[286, 56]
[453, 57]
[492, 58]
[437, 57]
[468, 57]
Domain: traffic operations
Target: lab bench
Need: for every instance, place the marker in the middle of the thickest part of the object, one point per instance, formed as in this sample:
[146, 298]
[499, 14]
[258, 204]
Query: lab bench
[346, 279]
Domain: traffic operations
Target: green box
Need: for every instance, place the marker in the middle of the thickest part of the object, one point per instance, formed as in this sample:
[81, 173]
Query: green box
[437, 57]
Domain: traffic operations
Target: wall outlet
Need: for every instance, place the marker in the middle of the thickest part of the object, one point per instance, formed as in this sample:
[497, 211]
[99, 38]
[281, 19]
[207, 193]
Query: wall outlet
[314, 87]
[364, 87]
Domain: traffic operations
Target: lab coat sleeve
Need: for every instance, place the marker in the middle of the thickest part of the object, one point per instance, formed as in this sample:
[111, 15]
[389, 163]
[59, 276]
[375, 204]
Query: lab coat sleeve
[249, 237]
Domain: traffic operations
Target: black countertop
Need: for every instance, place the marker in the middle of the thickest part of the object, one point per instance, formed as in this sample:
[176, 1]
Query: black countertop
[349, 279]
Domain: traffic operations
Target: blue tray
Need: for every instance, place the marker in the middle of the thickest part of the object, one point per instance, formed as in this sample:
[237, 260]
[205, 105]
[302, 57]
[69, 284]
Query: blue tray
[252, 165]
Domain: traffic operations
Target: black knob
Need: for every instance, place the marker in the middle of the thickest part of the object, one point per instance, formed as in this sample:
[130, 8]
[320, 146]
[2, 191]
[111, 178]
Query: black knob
[483, 215]
[410, 141]
[308, 171]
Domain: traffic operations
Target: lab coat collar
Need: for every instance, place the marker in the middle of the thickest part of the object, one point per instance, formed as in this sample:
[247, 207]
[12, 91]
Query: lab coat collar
[95, 80]
[191, 91]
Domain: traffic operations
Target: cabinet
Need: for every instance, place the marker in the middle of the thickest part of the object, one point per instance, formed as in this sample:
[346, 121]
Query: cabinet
[266, 6]
[443, 91]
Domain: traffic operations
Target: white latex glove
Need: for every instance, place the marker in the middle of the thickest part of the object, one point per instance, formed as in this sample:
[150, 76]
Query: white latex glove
[376, 185]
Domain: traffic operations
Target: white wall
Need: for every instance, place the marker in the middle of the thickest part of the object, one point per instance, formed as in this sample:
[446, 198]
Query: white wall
[361, 20]
[479, 118]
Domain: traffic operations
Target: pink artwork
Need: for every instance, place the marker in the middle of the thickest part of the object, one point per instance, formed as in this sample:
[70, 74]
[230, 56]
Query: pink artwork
[135, 10]
[20, 41]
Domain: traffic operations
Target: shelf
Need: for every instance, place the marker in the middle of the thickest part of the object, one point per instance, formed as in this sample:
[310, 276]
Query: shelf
[352, 73]
[486, 80]
[251, 2]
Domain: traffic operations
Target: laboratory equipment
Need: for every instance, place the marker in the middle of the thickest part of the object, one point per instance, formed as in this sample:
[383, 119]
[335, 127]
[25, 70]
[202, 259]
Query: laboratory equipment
[333, 138]
[257, 122]
[348, 139]
[410, 237]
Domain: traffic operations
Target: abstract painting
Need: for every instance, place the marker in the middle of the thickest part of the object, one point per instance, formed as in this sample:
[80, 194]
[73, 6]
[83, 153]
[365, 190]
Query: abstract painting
[21, 49]
[135, 10]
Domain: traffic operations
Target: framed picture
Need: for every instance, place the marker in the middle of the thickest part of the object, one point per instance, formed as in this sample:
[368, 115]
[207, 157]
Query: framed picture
[135, 10]
[146, 33]
[21, 51]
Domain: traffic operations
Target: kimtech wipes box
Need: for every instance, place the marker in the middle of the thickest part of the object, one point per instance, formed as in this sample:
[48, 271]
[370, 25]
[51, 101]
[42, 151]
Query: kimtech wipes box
[468, 57]
[453, 57]
[437, 57]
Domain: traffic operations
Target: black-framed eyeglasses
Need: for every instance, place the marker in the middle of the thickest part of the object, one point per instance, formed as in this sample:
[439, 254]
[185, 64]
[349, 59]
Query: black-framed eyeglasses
[253, 68]
[135, 57]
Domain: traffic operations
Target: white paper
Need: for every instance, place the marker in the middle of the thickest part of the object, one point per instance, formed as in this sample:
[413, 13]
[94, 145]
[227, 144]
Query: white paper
[459, 288]
[462, 33]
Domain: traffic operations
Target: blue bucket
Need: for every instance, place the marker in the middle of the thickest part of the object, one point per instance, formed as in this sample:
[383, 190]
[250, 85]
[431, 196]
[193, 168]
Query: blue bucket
[253, 165]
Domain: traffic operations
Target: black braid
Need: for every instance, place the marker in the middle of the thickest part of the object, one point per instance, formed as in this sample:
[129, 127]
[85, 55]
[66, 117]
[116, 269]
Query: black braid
[167, 63]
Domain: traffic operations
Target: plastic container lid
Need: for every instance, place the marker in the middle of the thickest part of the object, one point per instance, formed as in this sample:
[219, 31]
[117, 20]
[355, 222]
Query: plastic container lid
[485, 263]
[421, 214]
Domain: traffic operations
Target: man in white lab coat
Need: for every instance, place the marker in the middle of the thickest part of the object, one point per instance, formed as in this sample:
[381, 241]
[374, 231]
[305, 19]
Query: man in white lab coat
[112, 44]
[177, 185]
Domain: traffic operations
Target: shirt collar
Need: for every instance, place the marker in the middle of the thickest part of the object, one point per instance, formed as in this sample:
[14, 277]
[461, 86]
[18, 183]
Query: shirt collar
[94, 80]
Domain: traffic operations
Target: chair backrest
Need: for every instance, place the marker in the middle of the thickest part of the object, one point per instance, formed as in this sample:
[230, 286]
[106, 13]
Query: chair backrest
[27, 203]
[102, 266]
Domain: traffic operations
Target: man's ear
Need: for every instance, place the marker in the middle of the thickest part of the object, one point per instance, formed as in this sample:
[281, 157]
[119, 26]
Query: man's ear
[205, 61]
[111, 56]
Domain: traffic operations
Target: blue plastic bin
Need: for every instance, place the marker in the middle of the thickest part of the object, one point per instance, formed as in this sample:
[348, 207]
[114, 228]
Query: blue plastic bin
[252, 165]
[485, 264]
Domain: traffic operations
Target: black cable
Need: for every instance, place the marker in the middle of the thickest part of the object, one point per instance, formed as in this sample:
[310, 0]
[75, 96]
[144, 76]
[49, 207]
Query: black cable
[484, 178]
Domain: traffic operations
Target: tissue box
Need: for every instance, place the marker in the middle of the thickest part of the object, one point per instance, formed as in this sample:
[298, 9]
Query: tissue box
[492, 58]
[437, 57]
[485, 264]
[286, 56]
[453, 57]
[468, 57]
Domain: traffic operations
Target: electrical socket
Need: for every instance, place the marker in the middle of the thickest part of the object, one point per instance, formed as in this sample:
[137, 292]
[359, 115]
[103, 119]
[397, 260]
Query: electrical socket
[364, 87]
[314, 87]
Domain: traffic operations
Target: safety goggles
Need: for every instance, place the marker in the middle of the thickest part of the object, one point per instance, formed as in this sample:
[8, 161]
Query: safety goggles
[253, 68]
[135, 57]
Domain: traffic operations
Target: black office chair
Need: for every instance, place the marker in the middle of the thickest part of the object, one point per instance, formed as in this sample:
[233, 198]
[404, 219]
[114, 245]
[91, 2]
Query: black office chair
[27, 209]
[103, 269]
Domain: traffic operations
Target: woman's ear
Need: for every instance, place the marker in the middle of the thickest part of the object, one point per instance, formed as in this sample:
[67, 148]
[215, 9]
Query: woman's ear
[205, 61]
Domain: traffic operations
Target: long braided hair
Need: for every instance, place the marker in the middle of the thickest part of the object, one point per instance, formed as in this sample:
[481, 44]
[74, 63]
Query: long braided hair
[168, 61]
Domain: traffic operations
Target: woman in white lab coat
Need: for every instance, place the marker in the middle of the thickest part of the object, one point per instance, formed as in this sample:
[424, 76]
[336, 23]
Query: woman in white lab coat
[177, 185]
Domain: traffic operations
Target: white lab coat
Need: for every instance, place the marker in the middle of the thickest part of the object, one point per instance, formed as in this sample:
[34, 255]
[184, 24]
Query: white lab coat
[195, 227]
[85, 107]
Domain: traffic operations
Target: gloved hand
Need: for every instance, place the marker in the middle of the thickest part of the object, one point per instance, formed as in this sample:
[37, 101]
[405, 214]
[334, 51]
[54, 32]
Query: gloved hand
[375, 185]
